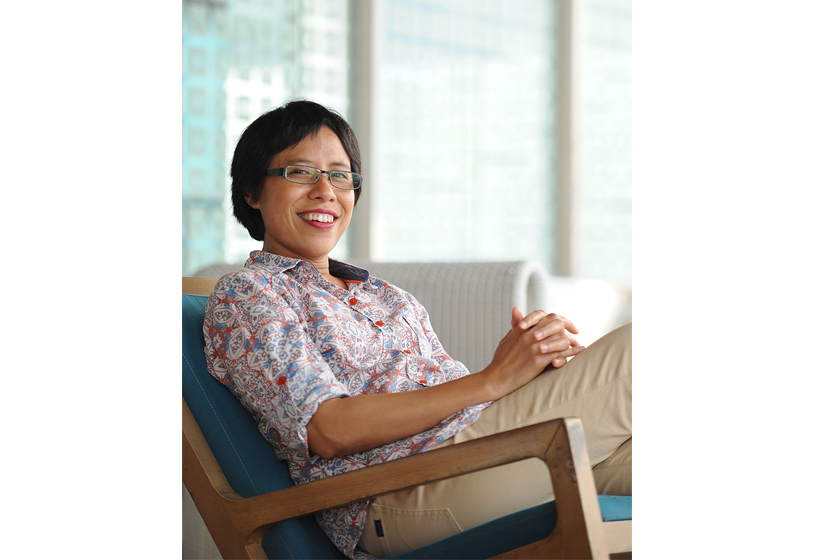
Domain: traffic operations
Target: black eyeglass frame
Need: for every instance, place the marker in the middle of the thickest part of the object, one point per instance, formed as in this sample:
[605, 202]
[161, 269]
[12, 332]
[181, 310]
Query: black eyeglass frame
[281, 172]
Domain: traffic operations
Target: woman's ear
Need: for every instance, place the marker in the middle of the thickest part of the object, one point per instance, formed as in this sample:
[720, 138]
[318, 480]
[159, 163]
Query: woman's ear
[252, 202]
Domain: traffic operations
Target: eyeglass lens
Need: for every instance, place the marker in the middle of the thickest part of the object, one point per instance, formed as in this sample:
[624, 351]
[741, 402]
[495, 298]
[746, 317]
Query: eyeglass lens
[306, 174]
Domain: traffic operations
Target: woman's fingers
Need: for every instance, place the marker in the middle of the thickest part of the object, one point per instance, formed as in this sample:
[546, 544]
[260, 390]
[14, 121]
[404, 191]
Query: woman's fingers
[531, 319]
[553, 325]
[567, 324]
[539, 316]
[516, 316]
[559, 362]
[565, 355]
[560, 348]
[562, 345]
[552, 332]
[573, 351]
[570, 326]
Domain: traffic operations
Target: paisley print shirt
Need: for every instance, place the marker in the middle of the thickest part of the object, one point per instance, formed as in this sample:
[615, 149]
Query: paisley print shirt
[283, 339]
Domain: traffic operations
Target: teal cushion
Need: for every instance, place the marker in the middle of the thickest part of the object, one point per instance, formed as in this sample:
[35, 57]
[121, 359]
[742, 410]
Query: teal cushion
[616, 508]
[251, 468]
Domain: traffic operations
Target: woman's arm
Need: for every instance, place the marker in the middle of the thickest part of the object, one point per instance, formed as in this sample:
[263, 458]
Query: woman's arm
[354, 424]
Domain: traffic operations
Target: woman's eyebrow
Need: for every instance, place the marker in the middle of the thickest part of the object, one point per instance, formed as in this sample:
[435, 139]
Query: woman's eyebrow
[304, 161]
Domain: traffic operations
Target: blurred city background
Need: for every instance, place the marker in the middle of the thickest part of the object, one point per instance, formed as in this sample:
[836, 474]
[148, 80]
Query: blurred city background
[491, 130]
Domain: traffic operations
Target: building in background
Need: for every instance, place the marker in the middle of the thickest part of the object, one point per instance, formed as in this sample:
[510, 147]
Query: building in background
[204, 59]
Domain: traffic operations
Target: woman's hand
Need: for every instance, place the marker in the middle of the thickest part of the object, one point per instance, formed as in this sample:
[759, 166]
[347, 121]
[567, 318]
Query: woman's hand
[534, 343]
[518, 319]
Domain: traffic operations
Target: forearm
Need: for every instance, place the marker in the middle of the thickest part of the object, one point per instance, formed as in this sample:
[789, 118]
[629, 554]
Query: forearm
[354, 424]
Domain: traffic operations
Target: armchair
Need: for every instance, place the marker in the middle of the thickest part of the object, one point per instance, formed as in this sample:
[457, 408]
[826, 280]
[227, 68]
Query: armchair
[253, 510]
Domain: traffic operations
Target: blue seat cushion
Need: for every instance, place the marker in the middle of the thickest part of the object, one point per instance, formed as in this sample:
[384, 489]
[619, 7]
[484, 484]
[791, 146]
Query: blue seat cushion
[251, 468]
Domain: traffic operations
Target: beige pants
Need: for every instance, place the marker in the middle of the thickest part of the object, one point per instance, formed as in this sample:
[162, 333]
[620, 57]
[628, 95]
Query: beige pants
[595, 386]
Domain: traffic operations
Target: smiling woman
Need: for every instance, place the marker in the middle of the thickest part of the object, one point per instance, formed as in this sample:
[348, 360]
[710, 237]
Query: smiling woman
[343, 370]
[302, 204]
[305, 220]
[277, 131]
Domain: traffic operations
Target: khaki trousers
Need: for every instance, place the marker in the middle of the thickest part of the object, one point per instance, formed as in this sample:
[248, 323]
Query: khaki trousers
[595, 386]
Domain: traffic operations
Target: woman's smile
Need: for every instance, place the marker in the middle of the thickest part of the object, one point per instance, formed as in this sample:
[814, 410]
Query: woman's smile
[319, 219]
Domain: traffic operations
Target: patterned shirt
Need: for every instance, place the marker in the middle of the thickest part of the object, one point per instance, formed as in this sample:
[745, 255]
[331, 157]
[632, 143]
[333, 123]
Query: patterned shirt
[283, 339]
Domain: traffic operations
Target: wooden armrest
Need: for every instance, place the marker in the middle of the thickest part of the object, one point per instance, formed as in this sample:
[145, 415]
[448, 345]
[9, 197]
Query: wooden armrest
[579, 532]
[198, 285]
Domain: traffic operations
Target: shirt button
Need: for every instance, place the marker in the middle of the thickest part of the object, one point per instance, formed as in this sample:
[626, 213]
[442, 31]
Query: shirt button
[379, 323]
[353, 301]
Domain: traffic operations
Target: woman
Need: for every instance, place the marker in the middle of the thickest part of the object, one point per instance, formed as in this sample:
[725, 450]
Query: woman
[343, 370]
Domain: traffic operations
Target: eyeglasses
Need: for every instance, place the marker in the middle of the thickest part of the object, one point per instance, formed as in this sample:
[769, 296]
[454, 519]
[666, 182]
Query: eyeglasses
[308, 175]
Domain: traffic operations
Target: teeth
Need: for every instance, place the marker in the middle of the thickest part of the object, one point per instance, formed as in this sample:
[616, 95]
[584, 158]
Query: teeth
[323, 218]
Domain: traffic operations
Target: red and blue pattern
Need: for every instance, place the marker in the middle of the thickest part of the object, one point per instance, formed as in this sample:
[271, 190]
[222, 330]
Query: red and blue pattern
[283, 339]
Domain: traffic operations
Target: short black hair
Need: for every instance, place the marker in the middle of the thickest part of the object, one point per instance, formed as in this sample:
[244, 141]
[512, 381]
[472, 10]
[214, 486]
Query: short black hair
[269, 135]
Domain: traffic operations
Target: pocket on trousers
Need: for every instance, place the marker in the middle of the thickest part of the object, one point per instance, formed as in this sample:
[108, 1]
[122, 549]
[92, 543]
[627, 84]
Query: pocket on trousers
[401, 530]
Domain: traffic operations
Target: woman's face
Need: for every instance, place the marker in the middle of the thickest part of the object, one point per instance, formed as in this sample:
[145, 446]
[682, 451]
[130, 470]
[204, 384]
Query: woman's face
[306, 221]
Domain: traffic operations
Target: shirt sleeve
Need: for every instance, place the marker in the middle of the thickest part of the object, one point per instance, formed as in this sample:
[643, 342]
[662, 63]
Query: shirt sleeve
[259, 346]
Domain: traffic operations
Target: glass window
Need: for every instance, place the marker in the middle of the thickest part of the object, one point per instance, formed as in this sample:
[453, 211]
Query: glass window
[195, 142]
[603, 205]
[196, 61]
[196, 184]
[195, 101]
[469, 110]
[243, 108]
[468, 152]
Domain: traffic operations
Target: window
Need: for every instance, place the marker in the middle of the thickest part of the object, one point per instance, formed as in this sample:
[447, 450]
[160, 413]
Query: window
[468, 91]
[497, 137]
[603, 203]
[195, 102]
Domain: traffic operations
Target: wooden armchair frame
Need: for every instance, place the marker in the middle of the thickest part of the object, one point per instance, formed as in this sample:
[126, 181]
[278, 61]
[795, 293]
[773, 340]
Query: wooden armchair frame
[238, 524]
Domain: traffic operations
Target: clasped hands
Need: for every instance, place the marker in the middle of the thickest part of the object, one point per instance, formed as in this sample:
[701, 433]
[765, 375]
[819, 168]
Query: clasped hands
[551, 331]
[535, 342]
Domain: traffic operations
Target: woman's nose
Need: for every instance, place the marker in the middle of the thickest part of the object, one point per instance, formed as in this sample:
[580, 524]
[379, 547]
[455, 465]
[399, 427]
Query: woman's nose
[322, 188]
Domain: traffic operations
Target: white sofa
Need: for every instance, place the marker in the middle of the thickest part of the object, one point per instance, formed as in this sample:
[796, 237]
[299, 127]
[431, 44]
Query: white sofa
[469, 306]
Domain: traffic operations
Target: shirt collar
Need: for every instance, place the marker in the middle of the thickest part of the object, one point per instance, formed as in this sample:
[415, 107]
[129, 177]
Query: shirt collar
[339, 269]
[348, 272]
